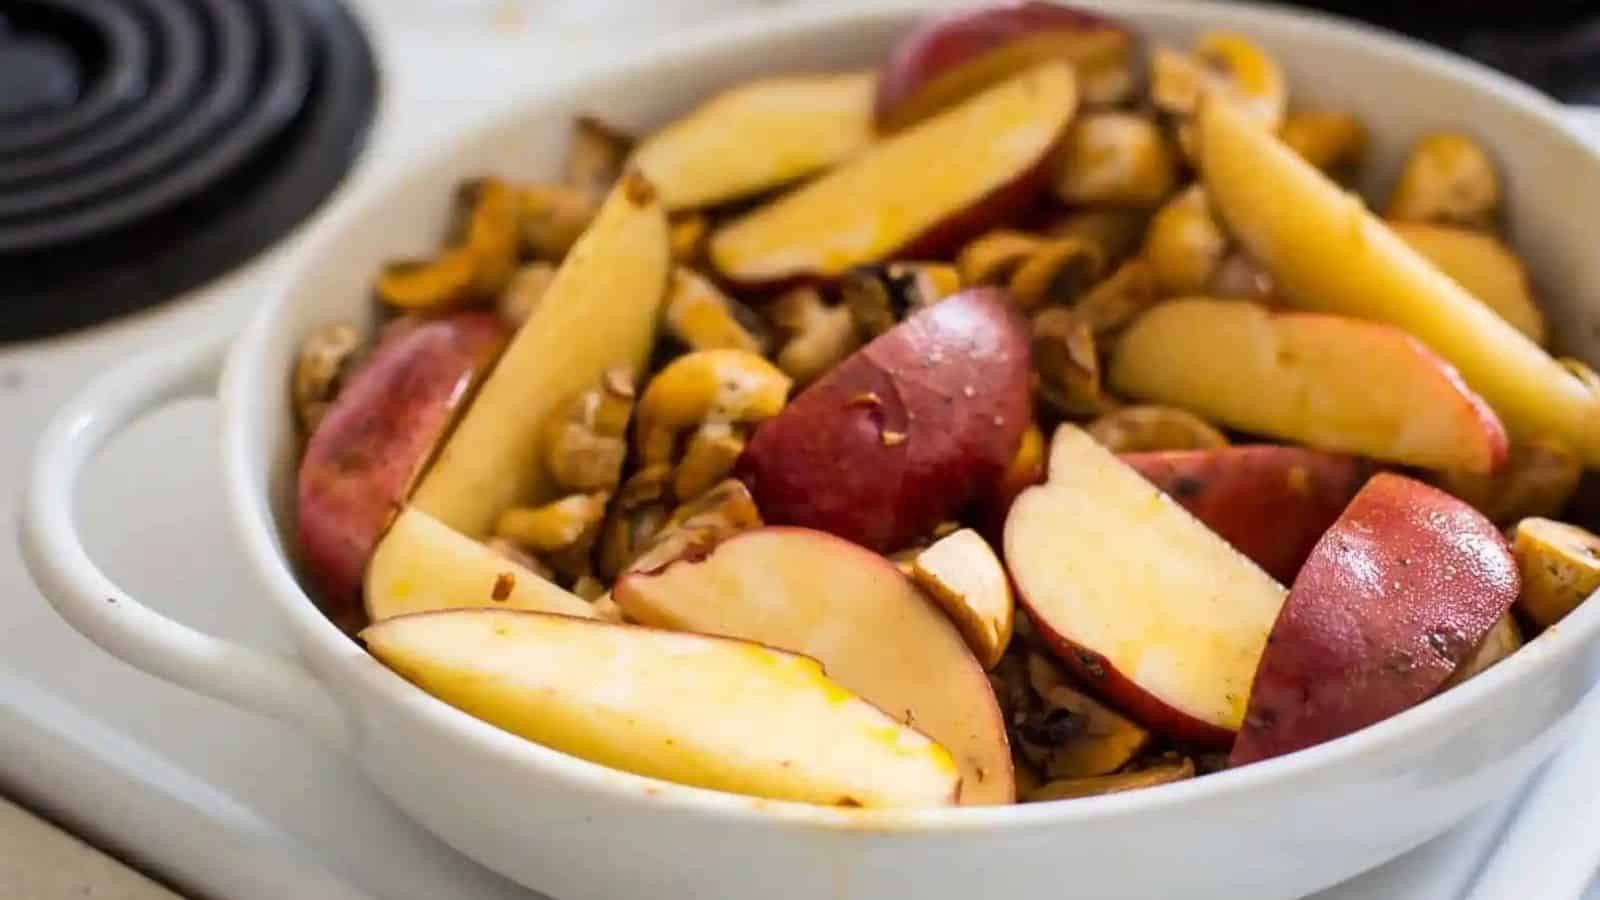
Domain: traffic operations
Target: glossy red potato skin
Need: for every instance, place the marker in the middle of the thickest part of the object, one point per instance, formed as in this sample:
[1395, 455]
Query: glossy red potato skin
[942, 45]
[367, 452]
[1272, 503]
[1400, 591]
[905, 432]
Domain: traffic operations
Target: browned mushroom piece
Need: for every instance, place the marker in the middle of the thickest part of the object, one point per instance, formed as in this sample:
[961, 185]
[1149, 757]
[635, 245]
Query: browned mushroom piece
[1118, 159]
[474, 268]
[595, 155]
[1072, 735]
[1069, 368]
[1115, 232]
[815, 336]
[734, 387]
[700, 524]
[552, 216]
[586, 446]
[639, 511]
[326, 356]
[1185, 245]
[993, 257]
[522, 295]
[555, 526]
[1115, 302]
[687, 235]
[1448, 179]
[1058, 272]
[1222, 63]
[1537, 479]
[701, 317]
[1074, 788]
[1332, 140]
[1139, 429]
[881, 296]
[708, 457]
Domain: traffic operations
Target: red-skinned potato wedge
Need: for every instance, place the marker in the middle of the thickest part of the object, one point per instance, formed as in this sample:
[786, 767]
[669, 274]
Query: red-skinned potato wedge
[374, 441]
[1482, 264]
[1271, 503]
[945, 179]
[854, 612]
[599, 313]
[689, 708]
[964, 575]
[1398, 593]
[1324, 381]
[949, 58]
[1327, 252]
[903, 433]
[758, 136]
[1145, 604]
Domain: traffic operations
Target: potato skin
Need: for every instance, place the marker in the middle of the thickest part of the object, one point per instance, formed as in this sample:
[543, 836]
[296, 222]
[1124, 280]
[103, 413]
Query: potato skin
[1272, 503]
[905, 432]
[368, 450]
[1400, 592]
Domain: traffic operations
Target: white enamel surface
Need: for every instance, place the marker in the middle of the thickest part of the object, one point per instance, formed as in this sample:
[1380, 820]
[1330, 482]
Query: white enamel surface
[1275, 830]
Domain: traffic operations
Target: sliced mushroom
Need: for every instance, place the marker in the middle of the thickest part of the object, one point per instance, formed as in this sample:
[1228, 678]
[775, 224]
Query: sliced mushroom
[1185, 245]
[1037, 270]
[1118, 159]
[1138, 429]
[552, 216]
[688, 236]
[700, 524]
[522, 295]
[475, 268]
[881, 296]
[706, 387]
[1228, 65]
[595, 155]
[1331, 140]
[1537, 479]
[707, 459]
[555, 526]
[324, 360]
[1111, 305]
[817, 336]
[994, 256]
[702, 317]
[1099, 741]
[1448, 179]
[586, 446]
[1074, 788]
[1068, 366]
[626, 534]
[1115, 232]
[1241, 277]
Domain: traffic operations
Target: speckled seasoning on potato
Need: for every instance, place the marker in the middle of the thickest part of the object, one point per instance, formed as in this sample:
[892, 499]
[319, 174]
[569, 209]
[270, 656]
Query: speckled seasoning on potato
[997, 387]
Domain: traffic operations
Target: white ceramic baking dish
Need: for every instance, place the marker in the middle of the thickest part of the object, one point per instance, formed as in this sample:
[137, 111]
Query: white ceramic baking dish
[576, 830]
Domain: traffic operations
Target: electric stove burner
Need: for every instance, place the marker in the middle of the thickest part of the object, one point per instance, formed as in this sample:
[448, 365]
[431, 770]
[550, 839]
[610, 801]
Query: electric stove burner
[147, 146]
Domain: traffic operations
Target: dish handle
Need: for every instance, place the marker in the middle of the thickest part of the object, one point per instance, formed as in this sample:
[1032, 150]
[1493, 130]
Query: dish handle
[268, 683]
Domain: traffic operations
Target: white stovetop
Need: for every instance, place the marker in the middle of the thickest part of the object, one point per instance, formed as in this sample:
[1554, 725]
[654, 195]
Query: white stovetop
[214, 800]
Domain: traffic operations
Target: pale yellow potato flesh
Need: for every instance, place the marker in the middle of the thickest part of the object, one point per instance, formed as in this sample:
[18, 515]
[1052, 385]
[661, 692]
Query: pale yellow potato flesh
[1502, 641]
[1560, 565]
[812, 593]
[1483, 265]
[600, 312]
[1327, 252]
[1329, 382]
[902, 187]
[757, 136]
[704, 711]
[962, 573]
[1108, 562]
[423, 565]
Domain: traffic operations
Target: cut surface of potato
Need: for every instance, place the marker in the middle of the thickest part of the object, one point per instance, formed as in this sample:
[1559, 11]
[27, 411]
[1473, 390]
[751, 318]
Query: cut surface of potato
[1503, 640]
[421, 565]
[1560, 566]
[1329, 382]
[1144, 603]
[965, 576]
[758, 136]
[1326, 252]
[854, 612]
[1483, 265]
[920, 191]
[599, 313]
[1116, 159]
[697, 710]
